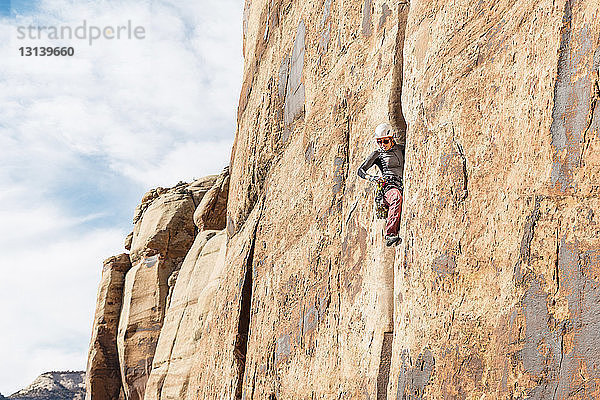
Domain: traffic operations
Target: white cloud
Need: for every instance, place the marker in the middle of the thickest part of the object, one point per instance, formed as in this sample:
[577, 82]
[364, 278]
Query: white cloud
[47, 292]
[124, 98]
[82, 138]
[184, 160]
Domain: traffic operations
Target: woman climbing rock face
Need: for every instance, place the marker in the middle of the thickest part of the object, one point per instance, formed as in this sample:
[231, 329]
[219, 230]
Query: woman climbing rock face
[389, 157]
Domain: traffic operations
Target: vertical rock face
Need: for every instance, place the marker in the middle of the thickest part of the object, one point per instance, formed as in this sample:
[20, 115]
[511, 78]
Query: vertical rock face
[493, 292]
[309, 283]
[103, 379]
[497, 279]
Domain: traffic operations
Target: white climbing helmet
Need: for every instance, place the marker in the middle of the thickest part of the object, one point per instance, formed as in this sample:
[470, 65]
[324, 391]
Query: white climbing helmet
[383, 131]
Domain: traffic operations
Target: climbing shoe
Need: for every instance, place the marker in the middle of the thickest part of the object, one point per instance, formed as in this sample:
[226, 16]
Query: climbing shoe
[391, 240]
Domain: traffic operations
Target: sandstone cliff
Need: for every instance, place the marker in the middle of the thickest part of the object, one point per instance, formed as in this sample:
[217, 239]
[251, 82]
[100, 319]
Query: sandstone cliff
[497, 286]
[136, 288]
[495, 289]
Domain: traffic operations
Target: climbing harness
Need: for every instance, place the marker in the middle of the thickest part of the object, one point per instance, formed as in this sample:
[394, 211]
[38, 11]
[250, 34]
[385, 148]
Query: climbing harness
[383, 186]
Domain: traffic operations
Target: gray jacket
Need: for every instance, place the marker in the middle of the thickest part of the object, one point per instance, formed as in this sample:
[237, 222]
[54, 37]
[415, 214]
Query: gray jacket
[390, 163]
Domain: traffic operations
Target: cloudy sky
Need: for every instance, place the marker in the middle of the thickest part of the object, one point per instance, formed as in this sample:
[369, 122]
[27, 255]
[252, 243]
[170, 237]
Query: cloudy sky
[82, 138]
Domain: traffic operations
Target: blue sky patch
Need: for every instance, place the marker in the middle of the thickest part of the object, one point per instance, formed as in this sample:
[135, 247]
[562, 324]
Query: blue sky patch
[13, 7]
[92, 187]
[4, 7]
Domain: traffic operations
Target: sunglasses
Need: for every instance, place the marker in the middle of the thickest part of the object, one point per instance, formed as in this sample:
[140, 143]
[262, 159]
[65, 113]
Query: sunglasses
[384, 141]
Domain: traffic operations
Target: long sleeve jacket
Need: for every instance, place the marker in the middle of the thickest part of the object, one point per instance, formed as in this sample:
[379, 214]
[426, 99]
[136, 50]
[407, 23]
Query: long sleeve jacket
[390, 163]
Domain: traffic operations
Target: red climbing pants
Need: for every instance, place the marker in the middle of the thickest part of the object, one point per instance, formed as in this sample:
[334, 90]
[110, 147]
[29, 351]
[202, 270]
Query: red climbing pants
[393, 199]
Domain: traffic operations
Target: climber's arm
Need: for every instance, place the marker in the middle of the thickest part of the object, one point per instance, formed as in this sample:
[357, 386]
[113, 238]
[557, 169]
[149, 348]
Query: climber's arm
[364, 167]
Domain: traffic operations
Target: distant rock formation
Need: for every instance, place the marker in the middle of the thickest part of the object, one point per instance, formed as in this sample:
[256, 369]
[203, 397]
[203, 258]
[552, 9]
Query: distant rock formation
[55, 385]
[136, 289]
[162, 236]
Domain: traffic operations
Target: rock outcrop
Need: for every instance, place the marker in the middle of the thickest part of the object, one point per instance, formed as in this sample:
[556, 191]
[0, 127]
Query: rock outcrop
[493, 292]
[55, 385]
[211, 213]
[136, 288]
[162, 236]
[103, 375]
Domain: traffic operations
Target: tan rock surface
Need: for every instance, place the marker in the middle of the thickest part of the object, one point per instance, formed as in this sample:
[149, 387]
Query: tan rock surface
[497, 280]
[211, 213]
[218, 360]
[103, 378]
[318, 284]
[162, 236]
[199, 278]
[493, 131]
[128, 241]
[164, 221]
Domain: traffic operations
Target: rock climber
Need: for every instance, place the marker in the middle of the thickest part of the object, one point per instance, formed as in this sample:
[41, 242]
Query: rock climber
[389, 157]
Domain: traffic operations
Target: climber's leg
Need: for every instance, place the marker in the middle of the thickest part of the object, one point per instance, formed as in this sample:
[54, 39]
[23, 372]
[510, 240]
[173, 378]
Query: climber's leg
[393, 198]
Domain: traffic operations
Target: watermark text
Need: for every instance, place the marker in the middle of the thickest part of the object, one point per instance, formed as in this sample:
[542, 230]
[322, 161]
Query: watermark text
[85, 31]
